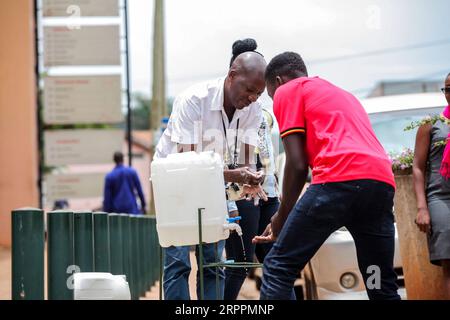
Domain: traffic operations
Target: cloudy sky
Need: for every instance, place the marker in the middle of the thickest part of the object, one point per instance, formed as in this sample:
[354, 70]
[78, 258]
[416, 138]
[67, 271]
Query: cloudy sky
[413, 37]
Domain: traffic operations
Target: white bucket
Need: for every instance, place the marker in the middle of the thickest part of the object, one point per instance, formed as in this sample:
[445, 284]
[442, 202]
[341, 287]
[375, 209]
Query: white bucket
[100, 286]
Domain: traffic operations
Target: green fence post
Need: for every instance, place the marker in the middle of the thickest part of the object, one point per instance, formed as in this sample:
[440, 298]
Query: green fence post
[116, 243]
[101, 242]
[27, 254]
[154, 252]
[158, 258]
[144, 248]
[135, 273]
[149, 249]
[142, 257]
[83, 241]
[126, 247]
[60, 255]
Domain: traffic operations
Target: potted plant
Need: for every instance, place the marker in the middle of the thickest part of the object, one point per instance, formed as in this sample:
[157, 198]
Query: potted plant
[402, 162]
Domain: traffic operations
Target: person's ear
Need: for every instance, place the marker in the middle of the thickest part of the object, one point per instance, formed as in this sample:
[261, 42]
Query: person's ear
[232, 73]
[279, 81]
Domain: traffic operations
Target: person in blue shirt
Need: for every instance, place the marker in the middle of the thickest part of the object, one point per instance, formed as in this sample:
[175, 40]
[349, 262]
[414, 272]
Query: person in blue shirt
[121, 186]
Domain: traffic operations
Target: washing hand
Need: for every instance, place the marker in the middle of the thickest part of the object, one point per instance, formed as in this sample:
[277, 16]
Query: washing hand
[272, 231]
[251, 178]
[266, 237]
[254, 192]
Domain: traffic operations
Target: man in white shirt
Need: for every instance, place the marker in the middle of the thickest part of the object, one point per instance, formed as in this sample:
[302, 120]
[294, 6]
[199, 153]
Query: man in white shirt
[221, 116]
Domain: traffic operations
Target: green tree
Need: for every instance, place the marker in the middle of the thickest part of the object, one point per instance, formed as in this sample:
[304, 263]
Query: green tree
[141, 111]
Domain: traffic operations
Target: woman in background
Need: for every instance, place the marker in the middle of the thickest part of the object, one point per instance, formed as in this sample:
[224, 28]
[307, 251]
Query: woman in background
[431, 172]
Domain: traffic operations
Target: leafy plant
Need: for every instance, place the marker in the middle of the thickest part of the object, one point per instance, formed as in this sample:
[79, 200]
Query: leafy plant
[427, 120]
[402, 161]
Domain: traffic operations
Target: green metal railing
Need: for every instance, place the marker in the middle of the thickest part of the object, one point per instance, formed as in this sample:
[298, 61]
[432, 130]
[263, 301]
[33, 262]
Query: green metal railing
[28, 250]
[101, 242]
[81, 242]
[115, 244]
[60, 255]
[121, 244]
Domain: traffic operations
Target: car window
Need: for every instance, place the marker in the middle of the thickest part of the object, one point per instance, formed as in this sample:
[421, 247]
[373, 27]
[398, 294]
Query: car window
[389, 127]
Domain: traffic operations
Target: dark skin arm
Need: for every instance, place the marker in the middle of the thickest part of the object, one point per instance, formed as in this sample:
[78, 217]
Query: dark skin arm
[295, 174]
[419, 168]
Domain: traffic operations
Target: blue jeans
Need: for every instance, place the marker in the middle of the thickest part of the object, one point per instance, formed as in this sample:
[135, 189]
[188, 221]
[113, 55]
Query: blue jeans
[177, 267]
[364, 207]
[254, 221]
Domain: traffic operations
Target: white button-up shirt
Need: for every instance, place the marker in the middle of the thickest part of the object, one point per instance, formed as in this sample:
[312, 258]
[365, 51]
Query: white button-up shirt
[197, 117]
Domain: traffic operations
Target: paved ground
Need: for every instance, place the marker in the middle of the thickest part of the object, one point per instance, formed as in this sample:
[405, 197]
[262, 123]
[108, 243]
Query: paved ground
[5, 274]
[248, 291]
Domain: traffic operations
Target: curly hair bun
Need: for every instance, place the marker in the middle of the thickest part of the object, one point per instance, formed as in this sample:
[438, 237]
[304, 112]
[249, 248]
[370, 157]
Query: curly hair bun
[241, 46]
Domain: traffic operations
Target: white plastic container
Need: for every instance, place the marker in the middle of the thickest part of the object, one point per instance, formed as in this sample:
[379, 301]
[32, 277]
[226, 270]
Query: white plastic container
[183, 183]
[100, 286]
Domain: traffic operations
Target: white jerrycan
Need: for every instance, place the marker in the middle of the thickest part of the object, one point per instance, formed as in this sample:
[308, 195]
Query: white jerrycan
[183, 183]
[100, 286]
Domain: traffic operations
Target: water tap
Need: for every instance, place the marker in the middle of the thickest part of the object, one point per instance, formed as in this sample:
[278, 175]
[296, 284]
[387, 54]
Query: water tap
[233, 226]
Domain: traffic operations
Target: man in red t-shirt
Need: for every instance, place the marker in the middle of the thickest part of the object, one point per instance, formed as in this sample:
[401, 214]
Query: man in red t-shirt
[327, 129]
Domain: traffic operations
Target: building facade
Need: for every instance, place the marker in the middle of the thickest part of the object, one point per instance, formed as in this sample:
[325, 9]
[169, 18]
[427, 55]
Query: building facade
[18, 116]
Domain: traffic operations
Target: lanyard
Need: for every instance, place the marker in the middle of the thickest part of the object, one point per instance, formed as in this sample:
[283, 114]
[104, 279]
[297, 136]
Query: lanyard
[235, 143]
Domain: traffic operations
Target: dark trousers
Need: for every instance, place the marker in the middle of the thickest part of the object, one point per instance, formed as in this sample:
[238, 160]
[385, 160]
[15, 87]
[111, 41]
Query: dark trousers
[254, 220]
[177, 267]
[364, 207]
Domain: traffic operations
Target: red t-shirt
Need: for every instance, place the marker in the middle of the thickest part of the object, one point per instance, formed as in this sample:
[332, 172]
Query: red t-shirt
[340, 142]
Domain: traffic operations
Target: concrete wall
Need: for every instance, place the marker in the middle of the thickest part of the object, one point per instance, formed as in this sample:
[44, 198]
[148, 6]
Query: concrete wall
[18, 124]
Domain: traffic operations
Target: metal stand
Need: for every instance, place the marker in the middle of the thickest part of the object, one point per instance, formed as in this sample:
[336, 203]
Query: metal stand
[200, 253]
[216, 250]
[217, 264]
[161, 266]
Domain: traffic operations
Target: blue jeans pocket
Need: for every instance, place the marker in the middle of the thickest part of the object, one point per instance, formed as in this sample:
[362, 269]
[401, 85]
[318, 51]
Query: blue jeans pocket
[382, 202]
[307, 200]
[328, 203]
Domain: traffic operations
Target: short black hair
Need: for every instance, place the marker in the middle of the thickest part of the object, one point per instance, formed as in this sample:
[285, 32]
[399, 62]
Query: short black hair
[241, 46]
[288, 64]
[118, 157]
